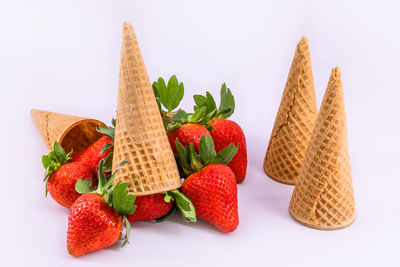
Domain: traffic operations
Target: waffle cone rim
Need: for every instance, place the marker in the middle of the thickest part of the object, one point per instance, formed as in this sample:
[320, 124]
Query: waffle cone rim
[323, 227]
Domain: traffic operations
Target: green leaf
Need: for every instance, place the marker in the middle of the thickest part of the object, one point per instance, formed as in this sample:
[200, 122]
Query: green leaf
[155, 90]
[121, 200]
[195, 162]
[127, 224]
[166, 122]
[205, 101]
[59, 152]
[109, 131]
[112, 178]
[105, 148]
[173, 126]
[107, 167]
[84, 186]
[227, 101]
[168, 196]
[198, 115]
[185, 206]
[206, 149]
[183, 154]
[46, 161]
[226, 154]
[200, 100]
[169, 95]
[180, 117]
[113, 122]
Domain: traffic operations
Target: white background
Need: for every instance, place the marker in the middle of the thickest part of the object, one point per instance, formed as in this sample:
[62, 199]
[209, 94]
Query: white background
[63, 56]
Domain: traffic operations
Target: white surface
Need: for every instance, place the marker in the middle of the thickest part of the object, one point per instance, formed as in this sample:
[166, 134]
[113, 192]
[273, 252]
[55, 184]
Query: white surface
[64, 56]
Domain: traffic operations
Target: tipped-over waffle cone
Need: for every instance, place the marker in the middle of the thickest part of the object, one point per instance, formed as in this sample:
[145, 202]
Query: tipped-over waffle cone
[71, 132]
[294, 121]
[323, 196]
[140, 136]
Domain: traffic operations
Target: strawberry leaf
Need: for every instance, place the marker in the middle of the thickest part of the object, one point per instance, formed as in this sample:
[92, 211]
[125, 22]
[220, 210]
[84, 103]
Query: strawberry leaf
[198, 115]
[166, 122]
[107, 167]
[183, 155]
[180, 117]
[195, 162]
[206, 149]
[185, 205]
[59, 152]
[54, 160]
[46, 161]
[109, 131]
[205, 101]
[227, 101]
[225, 155]
[168, 197]
[105, 148]
[169, 95]
[121, 200]
[127, 224]
[84, 186]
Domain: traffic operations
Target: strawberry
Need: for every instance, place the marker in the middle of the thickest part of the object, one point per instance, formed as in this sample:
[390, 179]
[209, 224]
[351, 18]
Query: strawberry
[186, 134]
[150, 207]
[225, 132]
[213, 192]
[61, 176]
[92, 155]
[96, 218]
[92, 225]
[212, 188]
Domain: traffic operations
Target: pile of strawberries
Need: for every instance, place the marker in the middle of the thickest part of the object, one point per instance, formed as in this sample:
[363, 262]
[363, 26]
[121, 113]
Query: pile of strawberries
[211, 155]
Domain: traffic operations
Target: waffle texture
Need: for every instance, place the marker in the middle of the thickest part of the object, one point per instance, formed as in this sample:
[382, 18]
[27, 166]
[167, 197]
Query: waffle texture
[323, 196]
[294, 121]
[71, 132]
[140, 136]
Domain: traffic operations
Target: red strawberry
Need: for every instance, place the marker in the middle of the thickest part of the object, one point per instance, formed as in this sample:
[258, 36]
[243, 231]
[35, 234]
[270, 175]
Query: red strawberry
[213, 192]
[91, 155]
[225, 132]
[61, 176]
[61, 183]
[92, 225]
[150, 207]
[95, 221]
[212, 189]
[186, 134]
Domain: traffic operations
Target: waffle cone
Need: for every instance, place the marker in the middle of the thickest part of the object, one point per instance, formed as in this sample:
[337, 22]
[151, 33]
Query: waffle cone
[71, 132]
[323, 196]
[140, 136]
[294, 121]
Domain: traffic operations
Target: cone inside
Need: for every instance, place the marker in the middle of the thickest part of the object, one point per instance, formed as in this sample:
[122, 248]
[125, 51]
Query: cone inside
[72, 132]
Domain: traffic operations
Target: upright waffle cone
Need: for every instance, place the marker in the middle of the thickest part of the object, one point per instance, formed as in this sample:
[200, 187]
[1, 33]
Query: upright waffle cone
[323, 196]
[295, 120]
[71, 132]
[140, 136]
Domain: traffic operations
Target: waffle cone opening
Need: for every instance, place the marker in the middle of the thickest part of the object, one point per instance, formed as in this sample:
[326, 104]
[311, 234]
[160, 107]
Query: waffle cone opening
[71, 132]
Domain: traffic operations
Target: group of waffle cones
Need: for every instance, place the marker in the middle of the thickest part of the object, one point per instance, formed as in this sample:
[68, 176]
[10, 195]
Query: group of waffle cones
[140, 135]
[309, 149]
